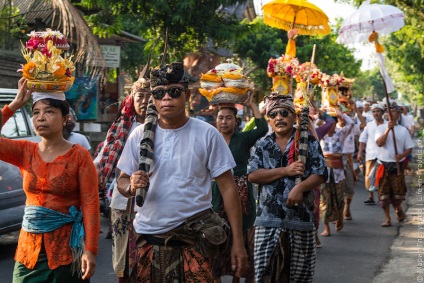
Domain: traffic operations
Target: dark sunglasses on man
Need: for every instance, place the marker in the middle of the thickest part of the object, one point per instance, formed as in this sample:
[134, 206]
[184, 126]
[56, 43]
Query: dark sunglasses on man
[273, 114]
[173, 92]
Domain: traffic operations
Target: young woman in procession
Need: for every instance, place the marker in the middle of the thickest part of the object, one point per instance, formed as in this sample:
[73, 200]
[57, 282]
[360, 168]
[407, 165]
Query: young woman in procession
[240, 144]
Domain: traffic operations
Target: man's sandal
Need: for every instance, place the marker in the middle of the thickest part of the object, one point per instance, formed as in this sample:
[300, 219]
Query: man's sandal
[369, 201]
[386, 223]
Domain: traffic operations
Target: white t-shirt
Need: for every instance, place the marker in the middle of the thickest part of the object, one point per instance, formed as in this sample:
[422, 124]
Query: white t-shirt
[368, 116]
[408, 121]
[386, 152]
[349, 142]
[186, 160]
[367, 137]
[77, 138]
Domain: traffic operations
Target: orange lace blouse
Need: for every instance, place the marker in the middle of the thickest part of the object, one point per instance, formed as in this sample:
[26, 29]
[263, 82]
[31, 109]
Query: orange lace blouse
[70, 180]
[7, 113]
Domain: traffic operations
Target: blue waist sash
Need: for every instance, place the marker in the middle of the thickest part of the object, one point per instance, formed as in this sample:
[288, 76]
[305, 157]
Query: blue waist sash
[38, 220]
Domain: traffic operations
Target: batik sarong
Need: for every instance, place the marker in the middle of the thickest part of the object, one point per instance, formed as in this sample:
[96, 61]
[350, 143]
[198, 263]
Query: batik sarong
[332, 200]
[171, 264]
[392, 189]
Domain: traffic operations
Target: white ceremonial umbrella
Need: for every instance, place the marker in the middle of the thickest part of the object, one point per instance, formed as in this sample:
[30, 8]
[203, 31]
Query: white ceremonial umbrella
[367, 23]
[383, 19]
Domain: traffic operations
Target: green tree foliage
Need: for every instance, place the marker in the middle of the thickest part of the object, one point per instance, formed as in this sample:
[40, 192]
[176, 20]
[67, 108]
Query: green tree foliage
[190, 22]
[368, 84]
[12, 25]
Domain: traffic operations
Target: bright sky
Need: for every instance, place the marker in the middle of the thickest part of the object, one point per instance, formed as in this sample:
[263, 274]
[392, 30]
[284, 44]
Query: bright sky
[364, 51]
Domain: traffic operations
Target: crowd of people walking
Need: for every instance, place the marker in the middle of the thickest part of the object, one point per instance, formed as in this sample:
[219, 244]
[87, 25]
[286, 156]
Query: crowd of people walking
[194, 216]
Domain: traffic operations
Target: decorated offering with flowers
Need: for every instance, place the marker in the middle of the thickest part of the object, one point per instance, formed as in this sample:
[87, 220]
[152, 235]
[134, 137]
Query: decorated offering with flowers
[301, 95]
[330, 92]
[345, 85]
[47, 68]
[225, 84]
[281, 70]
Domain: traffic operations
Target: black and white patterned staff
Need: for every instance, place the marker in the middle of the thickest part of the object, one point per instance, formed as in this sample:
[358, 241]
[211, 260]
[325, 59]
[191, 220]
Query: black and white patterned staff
[146, 148]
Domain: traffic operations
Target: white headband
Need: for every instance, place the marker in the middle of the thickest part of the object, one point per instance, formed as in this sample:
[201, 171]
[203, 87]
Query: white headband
[377, 105]
[36, 96]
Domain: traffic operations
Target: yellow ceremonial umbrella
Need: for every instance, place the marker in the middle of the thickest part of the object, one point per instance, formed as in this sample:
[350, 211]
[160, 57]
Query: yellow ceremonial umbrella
[297, 17]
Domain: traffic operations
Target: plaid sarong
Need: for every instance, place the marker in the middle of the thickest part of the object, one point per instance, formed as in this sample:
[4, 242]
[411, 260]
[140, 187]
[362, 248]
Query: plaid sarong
[284, 255]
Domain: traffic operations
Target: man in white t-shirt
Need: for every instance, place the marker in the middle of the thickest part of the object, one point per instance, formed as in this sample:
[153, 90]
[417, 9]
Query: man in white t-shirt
[392, 186]
[348, 150]
[371, 150]
[188, 154]
[407, 119]
[367, 114]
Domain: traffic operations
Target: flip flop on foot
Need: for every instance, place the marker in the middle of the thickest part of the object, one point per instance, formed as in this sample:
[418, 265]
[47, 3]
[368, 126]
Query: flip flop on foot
[325, 234]
[339, 227]
[348, 217]
[386, 223]
[400, 215]
[369, 201]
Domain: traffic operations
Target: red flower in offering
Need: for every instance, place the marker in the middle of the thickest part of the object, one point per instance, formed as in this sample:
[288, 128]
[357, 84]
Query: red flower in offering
[46, 51]
[32, 44]
[289, 70]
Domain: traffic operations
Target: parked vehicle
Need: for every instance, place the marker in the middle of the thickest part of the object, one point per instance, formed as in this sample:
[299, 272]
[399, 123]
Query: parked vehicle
[12, 196]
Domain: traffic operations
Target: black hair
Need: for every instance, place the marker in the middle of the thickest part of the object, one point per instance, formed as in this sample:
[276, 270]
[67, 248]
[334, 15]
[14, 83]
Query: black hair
[230, 108]
[55, 103]
[234, 110]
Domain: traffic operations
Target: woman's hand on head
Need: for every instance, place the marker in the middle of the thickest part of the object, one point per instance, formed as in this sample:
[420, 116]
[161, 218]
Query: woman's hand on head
[249, 99]
[88, 265]
[23, 95]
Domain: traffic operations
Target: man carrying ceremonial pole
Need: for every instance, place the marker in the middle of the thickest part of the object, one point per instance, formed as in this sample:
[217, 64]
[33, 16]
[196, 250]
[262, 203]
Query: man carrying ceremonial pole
[285, 230]
[174, 241]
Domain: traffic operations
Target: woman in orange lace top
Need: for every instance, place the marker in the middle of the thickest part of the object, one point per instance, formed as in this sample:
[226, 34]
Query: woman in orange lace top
[56, 175]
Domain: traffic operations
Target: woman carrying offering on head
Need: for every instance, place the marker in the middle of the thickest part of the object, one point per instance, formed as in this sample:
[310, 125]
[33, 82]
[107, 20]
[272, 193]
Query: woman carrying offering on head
[58, 241]
[240, 144]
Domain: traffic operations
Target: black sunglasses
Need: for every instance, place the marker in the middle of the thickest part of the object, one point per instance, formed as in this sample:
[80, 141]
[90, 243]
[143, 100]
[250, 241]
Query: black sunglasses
[283, 113]
[173, 92]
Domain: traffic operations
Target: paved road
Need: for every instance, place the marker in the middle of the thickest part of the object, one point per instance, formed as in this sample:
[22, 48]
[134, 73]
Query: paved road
[356, 254]
[360, 250]
[104, 272]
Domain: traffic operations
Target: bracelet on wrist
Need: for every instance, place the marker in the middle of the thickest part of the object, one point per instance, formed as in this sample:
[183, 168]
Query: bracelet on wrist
[128, 191]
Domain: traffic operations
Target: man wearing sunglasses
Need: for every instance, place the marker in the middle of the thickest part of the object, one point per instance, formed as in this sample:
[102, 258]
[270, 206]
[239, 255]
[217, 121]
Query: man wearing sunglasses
[187, 154]
[285, 230]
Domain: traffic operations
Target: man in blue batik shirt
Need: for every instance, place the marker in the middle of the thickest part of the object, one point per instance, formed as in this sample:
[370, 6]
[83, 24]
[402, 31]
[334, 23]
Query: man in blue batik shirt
[285, 231]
